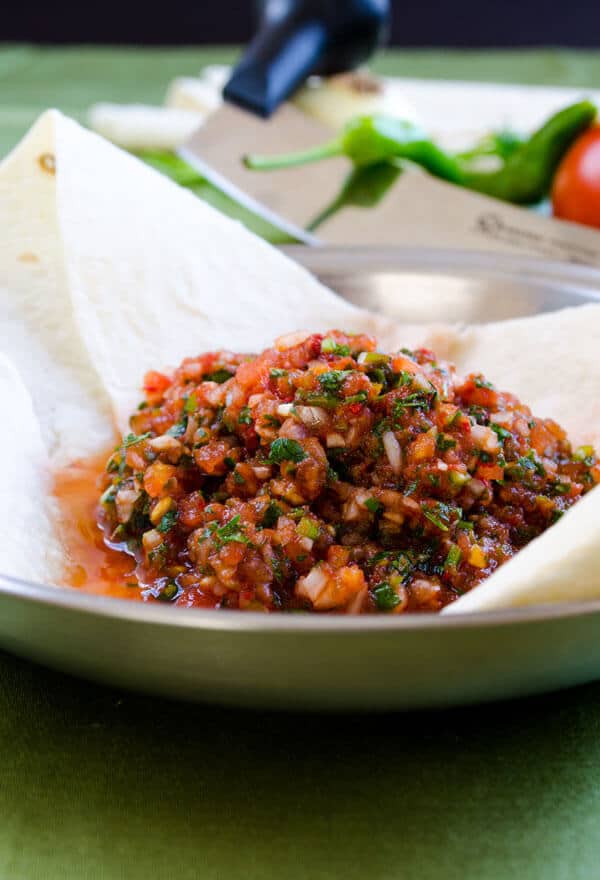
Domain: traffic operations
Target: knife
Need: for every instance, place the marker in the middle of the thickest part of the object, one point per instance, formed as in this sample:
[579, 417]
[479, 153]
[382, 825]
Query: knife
[296, 39]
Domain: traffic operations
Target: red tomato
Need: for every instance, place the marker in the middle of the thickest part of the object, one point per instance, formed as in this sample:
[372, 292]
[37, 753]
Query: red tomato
[576, 188]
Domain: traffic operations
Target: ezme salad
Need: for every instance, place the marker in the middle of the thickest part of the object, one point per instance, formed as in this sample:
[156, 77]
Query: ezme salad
[324, 475]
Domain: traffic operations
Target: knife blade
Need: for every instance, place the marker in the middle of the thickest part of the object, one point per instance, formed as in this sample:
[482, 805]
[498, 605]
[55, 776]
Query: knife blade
[288, 199]
[296, 38]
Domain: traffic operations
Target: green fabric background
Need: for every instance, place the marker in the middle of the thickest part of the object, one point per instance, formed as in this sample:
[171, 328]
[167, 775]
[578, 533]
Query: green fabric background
[103, 785]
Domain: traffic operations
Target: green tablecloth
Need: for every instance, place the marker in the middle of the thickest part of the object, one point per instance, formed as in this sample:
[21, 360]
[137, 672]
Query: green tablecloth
[98, 784]
[33, 78]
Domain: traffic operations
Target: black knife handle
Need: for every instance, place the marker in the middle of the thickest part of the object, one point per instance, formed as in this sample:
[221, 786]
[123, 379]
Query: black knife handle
[298, 38]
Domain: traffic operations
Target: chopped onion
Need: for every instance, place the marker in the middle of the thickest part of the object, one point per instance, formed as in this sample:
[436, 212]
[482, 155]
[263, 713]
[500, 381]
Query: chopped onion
[312, 416]
[485, 438]
[284, 409]
[311, 586]
[262, 472]
[356, 603]
[254, 399]
[441, 465]
[503, 418]
[334, 441]
[477, 487]
[293, 429]
[164, 443]
[393, 451]
[213, 393]
[353, 434]
[395, 517]
[410, 504]
[351, 511]
[125, 501]
[422, 382]
[306, 543]
[151, 540]
[290, 340]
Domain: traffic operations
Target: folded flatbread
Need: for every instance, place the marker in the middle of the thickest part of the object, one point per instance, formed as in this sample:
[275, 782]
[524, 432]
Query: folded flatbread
[108, 269]
[29, 546]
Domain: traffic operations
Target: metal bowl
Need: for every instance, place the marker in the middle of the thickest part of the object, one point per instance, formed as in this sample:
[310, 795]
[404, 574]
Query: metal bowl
[332, 663]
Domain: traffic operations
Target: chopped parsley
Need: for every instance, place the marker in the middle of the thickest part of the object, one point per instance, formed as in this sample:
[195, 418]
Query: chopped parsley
[170, 592]
[500, 432]
[385, 596]
[331, 382]
[453, 557]
[218, 376]
[191, 404]
[444, 442]
[271, 515]
[179, 428]
[245, 418]
[440, 514]
[330, 346]
[132, 439]
[283, 449]
[167, 522]
[230, 533]
[418, 400]
[373, 505]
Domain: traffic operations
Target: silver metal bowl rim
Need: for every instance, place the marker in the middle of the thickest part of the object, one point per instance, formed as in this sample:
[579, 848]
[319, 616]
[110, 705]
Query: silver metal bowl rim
[337, 259]
[70, 599]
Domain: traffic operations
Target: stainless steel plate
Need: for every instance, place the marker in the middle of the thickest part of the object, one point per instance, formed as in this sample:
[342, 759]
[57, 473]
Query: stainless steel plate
[308, 661]
[424, 285]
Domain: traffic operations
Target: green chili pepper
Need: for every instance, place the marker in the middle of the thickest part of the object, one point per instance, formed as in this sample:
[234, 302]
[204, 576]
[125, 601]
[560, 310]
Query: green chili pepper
[526, 176]
[498, 143]
[363, 188]
[370, 140]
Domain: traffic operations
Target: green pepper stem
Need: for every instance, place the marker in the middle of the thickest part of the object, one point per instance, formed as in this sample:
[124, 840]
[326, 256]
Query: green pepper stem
[292, 160]
[328, 212]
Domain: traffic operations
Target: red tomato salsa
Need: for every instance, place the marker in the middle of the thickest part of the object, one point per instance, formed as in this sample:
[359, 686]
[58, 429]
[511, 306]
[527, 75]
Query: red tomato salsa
[324, 475]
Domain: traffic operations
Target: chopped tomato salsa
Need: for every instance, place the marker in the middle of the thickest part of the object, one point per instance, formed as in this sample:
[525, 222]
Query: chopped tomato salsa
[325, 475]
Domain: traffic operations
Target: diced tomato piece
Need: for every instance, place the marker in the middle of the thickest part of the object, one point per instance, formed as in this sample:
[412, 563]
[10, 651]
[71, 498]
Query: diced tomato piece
[490, 472]
[155, 384]
[423, 447]
[157, 479]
